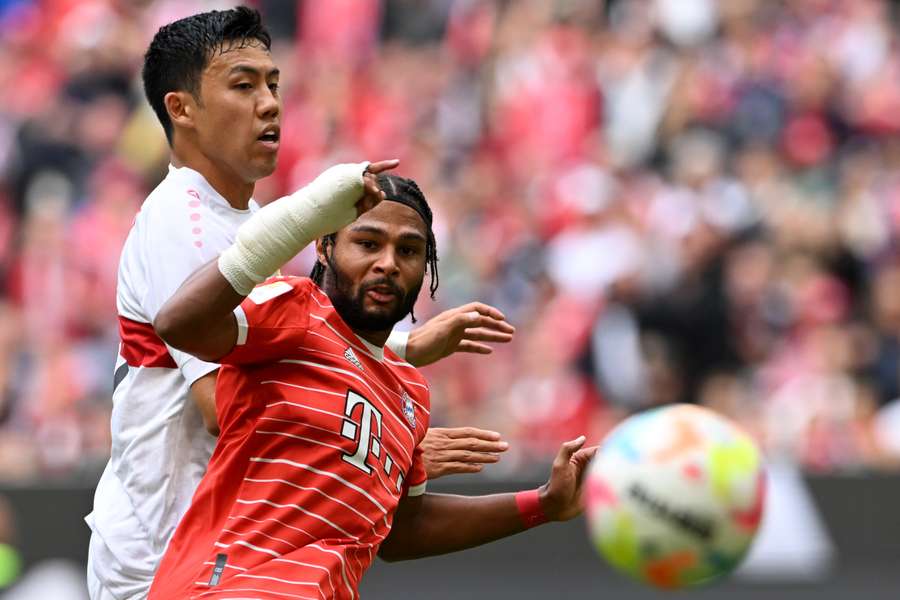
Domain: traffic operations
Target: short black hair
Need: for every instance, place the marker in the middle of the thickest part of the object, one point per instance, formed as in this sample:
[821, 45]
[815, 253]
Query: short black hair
[405, 191]
[181, 50]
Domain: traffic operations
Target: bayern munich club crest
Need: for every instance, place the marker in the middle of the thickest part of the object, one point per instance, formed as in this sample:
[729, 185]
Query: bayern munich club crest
[409, 411]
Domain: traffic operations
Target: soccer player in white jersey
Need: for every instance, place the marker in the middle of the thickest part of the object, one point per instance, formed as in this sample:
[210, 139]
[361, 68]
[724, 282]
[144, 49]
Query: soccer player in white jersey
[212, 83]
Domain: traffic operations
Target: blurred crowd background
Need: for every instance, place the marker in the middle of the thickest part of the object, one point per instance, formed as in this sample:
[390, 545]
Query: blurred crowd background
[672, 200]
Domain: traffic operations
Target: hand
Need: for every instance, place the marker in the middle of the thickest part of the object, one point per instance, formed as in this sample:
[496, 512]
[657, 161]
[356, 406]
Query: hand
[372, 192]
[459, 450]
[460, 329]
[561, 496]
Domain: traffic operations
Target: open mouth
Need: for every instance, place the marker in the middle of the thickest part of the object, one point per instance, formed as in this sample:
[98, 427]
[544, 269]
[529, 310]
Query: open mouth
[270, 136]
[382, 293]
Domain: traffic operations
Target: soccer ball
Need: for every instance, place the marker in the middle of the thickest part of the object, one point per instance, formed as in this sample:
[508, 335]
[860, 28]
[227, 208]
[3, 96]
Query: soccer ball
[674, 496]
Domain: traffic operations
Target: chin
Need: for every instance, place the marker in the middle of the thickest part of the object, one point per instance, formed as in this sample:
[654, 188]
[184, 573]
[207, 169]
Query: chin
[383, 317]
[267, 170]
[262, 168]
[379, 312]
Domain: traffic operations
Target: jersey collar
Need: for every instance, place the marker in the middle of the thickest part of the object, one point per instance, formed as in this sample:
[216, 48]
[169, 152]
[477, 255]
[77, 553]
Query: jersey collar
[196, 179]
[377, 351]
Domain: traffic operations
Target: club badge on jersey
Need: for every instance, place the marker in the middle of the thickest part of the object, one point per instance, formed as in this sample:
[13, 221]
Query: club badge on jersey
[409, 410]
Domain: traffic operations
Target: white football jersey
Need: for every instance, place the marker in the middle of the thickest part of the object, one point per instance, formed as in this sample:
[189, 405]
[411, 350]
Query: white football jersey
[160, 446]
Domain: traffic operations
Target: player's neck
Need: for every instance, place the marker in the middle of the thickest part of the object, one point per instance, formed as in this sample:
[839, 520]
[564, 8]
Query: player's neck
[376, 338]
[235, 191]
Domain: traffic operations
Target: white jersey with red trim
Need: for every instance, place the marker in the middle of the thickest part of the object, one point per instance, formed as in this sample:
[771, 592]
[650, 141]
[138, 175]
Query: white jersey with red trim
[160, 447]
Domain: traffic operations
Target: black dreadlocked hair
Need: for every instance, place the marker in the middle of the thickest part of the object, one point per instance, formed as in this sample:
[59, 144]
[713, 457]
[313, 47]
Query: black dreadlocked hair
[181, 50]
[405, 191]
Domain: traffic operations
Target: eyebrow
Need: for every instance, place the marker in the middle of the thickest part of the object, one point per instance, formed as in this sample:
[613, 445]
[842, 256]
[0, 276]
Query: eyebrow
[407, 235]
[252, 71]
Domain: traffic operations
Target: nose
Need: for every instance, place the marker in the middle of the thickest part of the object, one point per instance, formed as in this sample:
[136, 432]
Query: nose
[386, 263]
[269, 105]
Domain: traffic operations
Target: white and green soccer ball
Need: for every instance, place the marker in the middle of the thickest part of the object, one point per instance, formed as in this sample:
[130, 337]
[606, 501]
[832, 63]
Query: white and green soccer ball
[674, 496]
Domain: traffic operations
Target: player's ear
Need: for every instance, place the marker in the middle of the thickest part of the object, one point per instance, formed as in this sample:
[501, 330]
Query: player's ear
[320, 251]
[181, 107]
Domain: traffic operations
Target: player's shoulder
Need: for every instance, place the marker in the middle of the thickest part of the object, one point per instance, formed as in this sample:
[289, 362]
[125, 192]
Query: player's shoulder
[178, 181]
[172, 195]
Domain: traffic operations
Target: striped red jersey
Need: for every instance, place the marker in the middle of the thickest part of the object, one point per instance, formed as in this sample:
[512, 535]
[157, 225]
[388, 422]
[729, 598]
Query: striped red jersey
[319, 441]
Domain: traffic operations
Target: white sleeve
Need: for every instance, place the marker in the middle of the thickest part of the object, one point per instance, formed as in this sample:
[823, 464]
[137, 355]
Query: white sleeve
[170, 257]
[191, 367]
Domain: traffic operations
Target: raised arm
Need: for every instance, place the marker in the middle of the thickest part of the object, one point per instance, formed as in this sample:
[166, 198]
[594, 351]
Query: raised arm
[439, 523]
[199, 317]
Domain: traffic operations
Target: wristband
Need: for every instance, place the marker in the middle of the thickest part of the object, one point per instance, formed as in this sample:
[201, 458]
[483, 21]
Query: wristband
[530, 511]
[397, 342]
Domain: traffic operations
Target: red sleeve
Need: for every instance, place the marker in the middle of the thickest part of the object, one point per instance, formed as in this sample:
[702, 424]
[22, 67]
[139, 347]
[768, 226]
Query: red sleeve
[416, 479]
[272, 321]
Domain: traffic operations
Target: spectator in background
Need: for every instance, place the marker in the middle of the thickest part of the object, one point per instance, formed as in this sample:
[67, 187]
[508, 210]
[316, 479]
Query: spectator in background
[682, 200]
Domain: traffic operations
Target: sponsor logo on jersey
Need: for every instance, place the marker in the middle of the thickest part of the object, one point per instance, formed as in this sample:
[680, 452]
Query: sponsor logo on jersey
[350, 356]
[409, 410]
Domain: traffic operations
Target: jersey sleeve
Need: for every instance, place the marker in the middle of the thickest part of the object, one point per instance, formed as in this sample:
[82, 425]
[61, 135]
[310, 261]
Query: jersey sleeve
[171, 257]
[417, 479]
[272, 321]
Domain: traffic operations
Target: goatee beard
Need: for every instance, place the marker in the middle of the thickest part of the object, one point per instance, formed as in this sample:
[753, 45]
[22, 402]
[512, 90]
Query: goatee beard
[350, 306]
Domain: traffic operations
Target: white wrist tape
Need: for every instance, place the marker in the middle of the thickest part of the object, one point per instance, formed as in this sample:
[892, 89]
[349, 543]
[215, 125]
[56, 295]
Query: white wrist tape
[281, 229]
[397, 342]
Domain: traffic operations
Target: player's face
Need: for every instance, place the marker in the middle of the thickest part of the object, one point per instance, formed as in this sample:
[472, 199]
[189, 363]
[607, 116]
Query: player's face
[377, 266]
[239, 112]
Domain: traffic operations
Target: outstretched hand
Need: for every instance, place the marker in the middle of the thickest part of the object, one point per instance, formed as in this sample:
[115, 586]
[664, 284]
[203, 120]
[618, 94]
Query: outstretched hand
[459, 450]
[561, 496]
[372, 192]
[465, 328]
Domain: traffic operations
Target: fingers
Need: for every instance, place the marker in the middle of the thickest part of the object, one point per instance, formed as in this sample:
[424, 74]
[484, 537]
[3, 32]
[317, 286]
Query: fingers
[371, 187]
[581, 460]
[372, 194]
[474, 348]
[470, 432]
[464, 456]
[472, 319]
[381, 166]
[501, 326]
[568, 449]
[366, 203]
[483, 334]
[585, 454]
[475, 445]
[484, 309]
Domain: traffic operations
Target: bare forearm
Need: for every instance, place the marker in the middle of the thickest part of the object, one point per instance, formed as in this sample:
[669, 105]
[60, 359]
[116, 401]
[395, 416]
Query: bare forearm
[203, 391]
[445, 523]
[436, 523]
[199, 317]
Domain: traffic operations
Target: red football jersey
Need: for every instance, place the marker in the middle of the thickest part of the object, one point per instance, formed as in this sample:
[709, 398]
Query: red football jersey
[319, 441]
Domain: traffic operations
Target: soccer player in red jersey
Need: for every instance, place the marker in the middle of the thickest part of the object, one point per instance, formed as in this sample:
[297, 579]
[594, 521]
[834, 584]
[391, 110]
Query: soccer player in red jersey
[318, 465]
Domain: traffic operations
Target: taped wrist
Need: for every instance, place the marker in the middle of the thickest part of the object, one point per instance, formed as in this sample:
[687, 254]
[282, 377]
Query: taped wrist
[398, 341]
[281, 229]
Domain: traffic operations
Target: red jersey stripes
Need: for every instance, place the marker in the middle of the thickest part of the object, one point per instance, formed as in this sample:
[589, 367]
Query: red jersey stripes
[319, 441]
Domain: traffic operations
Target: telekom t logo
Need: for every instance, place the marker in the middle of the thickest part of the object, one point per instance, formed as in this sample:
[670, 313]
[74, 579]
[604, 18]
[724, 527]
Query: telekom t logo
[369, 441]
